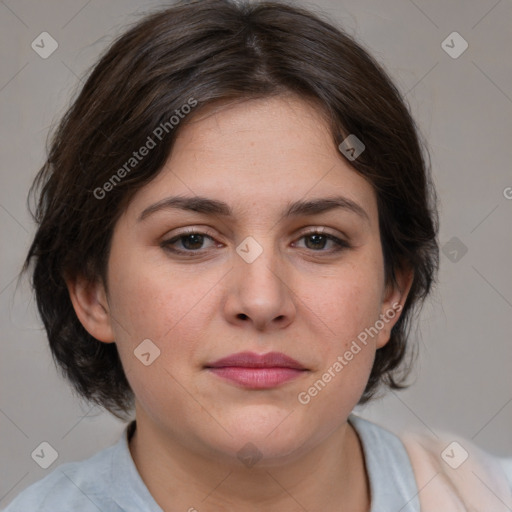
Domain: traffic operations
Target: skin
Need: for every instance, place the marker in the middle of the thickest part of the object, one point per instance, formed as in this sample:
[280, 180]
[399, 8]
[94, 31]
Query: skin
[297, 297]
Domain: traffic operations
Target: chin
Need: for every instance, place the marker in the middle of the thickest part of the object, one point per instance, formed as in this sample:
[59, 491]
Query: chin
[263, 453]
[269, 434]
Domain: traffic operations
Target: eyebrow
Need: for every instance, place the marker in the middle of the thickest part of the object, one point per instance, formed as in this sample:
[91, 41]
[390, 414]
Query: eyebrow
[209, 206]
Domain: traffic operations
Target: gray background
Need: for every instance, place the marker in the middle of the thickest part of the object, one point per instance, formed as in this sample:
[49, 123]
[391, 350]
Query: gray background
[463, 107]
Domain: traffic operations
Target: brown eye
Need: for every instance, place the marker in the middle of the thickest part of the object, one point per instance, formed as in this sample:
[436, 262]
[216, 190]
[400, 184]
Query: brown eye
[191, 242]
[317, 241]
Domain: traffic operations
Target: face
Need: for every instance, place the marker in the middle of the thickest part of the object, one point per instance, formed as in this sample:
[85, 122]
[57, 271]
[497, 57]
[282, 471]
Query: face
[252, 277]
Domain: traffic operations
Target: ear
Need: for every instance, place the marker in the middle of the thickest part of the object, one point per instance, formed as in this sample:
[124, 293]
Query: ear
[394, 297]
[91, 307]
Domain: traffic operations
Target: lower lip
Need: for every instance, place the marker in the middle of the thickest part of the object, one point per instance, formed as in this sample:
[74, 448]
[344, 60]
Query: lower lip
[257, 378]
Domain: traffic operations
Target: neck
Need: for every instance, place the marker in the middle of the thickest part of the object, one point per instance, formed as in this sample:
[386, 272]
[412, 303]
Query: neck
[329, 477]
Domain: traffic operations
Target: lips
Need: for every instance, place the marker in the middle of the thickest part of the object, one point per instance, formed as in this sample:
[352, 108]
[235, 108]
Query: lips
[252, 360]
[257, 371]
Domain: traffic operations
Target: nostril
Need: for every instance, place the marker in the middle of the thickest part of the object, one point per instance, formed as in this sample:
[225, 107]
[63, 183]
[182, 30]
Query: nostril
[243, 316]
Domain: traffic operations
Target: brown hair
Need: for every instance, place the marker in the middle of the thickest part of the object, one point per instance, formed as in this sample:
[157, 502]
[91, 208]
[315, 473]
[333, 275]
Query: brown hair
[212, 51]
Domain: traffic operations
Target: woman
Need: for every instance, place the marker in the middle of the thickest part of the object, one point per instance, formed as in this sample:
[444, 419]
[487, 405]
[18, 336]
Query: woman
[236, 225]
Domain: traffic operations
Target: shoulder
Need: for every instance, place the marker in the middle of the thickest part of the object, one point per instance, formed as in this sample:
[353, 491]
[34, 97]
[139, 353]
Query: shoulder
[390, 474]
[383, 449]
[71, 486]
[448, 471]
[453, 470]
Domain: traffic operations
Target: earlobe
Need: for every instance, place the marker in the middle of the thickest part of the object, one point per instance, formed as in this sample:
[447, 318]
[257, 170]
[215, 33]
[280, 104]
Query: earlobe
[91, 307]
[394, 299]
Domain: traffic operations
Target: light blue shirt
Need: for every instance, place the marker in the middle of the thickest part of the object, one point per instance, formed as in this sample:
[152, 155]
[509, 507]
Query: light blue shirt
[109, 481]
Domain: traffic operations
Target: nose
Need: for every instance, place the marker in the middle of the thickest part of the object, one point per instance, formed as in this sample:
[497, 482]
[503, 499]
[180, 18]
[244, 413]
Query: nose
[260, 293]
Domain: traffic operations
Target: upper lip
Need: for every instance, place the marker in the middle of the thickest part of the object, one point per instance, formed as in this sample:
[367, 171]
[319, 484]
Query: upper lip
[253, 360]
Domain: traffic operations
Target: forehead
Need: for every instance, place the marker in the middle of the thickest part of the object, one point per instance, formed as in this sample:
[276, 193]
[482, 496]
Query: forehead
[256, 156]
[268, 130]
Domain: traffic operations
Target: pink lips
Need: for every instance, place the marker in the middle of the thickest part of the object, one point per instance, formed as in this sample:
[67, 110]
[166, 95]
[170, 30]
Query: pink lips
[257, 371]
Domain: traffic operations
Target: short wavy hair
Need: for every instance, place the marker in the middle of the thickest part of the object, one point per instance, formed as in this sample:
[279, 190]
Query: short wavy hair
[217, 51]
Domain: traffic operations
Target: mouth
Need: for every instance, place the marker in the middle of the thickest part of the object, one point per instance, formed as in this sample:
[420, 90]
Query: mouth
[257, 371]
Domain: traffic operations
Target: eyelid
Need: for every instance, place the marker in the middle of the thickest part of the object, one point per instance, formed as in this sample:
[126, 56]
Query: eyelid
[204, 229]
[322, 230]
[310, 229]
[200, 230]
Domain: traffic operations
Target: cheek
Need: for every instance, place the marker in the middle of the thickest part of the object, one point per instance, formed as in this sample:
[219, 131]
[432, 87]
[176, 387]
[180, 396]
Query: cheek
[154, 301]
[171, 310]
[347, 353]
[347, 302]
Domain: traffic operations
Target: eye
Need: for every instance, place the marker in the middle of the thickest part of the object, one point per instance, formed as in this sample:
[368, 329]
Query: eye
[317, 241]
[191, 242]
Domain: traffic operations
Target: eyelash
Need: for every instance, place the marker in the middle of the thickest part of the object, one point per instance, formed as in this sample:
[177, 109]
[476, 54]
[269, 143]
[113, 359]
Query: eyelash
[166, 244]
